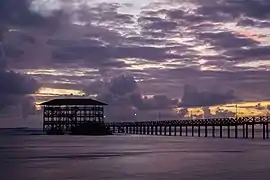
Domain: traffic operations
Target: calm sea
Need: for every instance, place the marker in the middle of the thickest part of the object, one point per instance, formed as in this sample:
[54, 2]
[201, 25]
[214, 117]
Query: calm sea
[129, 157]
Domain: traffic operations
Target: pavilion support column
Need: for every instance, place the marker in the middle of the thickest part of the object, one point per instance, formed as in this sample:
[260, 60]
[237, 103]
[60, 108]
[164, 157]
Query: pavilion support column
[236, 131]
[213, 131]
[220, 131]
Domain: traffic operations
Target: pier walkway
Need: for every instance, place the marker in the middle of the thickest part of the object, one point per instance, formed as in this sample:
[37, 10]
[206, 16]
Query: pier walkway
[242, 127]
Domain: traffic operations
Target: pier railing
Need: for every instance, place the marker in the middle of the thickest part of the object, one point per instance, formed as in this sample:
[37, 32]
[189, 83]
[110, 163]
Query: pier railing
[231, 126]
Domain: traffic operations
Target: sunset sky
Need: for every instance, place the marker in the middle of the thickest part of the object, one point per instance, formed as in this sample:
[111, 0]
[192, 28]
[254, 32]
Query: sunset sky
[152, 58]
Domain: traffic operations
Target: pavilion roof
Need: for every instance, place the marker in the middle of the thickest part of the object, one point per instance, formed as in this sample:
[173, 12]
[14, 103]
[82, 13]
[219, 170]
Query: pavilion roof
[74, 101]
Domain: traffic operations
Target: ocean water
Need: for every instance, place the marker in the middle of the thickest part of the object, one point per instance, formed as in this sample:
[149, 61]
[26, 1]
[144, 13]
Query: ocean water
[132, 157]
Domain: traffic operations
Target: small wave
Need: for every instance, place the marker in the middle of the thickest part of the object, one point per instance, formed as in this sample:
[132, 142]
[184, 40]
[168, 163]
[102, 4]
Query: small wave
[20, 131]
[120, 154]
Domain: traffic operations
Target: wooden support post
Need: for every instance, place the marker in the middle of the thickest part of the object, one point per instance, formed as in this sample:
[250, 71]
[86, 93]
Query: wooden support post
[213, 131]
[267, 130]
[141, 129]
[220, 131]
[263, 131]
[236, 131]
[244, 134]
[229, 131]
[175, 130]
[247, 126]
[160, 130]
[192, 130]
[152, 129]
[186, 130]
[253, 135]
[148, 129]
[199, 131]
[180, 130]
[205, 131]
[165, 130]
[156, 130]
[170, 130]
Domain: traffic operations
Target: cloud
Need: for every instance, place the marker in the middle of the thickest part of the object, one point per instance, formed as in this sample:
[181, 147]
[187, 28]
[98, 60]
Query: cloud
[218, 46]
[108, 55]
[193, 98]
[19, 13]
[183, 112]
[219, 113]
[122, 93]
[14, 87]
[28, 106]
[124, 90]
[236, 9]
[250, 53]
[226, 40]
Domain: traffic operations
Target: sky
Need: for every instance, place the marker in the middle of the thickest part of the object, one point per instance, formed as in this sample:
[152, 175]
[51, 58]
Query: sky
[148, 59]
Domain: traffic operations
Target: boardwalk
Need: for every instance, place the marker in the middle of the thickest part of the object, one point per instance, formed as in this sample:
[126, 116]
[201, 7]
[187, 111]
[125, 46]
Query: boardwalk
[227, 127]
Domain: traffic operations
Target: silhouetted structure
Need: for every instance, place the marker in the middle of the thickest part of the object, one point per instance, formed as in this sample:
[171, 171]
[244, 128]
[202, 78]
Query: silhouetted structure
[205, 127]
[74, 115]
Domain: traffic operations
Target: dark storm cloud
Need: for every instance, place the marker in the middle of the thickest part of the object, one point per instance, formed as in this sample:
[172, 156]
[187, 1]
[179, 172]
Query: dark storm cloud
[78, 42]
[123, 95]
[14, 87]
[203, 25]
[247, 85]
[18, 13]
[12, 52]
[124, 90]
[156, 23]
[104, 12]
[193, 97]
[99, 54]
[226, 40]
[261, 53]
[258, 9]
[105, 39]
[253, 23]
[28, 106]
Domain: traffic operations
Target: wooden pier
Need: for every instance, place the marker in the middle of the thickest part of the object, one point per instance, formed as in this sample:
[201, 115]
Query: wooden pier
[219, 127]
